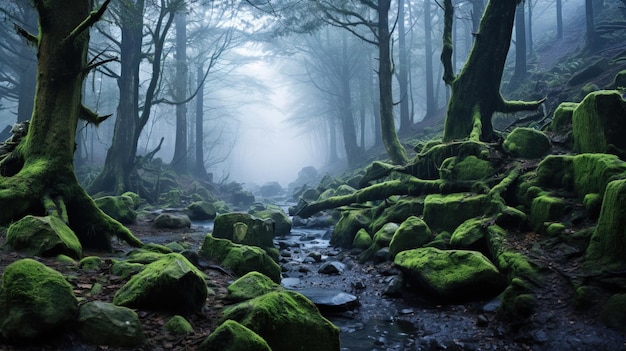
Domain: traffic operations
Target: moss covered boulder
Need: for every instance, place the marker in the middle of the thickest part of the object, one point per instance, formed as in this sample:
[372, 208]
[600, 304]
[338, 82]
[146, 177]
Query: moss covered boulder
[201, 211]
[411, 234]
[527, 143]
[347, 227]
[251, 285]
[259, 232]
[398, 211]
[562, 117]
[44, 236]
[465, 168]
[34, 301]
[121, 208]
[447, 212]
[608, 242]
[362, 239]
[232, 336]
[282, 223]
[287, 321]
[178, 325]
[103, 323]
[471, 234]
[172, 221]
[599, 123]
[170, 284]
[546, 208]
[614, 312]
[451, 275]
[241, 259]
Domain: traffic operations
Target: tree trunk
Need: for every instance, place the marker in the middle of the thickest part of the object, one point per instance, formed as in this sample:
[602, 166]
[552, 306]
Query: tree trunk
[476, 91]
[529, 29]
[353, 151]
[199, 170]
[592, 35]
[403, 71]
[179, 161]
[559, 19]
[394, 148]
[520, 49]
[332, 147]
[431, 107]
[46, 183]
[28, 76]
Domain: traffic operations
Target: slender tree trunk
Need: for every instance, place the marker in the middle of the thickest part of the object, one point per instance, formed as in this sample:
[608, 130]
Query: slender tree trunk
[431, 107]
[403, 71]
[559, 19]
[46, 183]
[200, 171]
[332, 142]
[529, 29]
[520, 49]
[179, 161]
[28, 76]
[394, 148]
[353, 152]
[592, 35]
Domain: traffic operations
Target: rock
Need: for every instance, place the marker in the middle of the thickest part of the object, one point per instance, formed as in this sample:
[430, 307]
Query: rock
[465, 168]
[232, 336]
[614, 312]
[383, 236]
[382, 255]
[446, 212]
[172, 221]
[285, 319]
[333, 267]
[330, 300]
[120, 208]
[201, 211]
[411, 234]
[399, 212]
[259, 232]
[394, 286]
[593, 205]
[451, 275]
[347, 227]
[133, 196]
[608, 242]
[599, 123]
[125, 269]
[44, 236]
[102, 323]
[362, 239]
[562, 117]
[471, 234]
[178, 325]
[527, 143]
[270, 189]
[282, 223]
[517, 302]
[315, 255]
[241, 259]
[546, 208]
[34, 301]
[170, 284]
[91, 263]
[251, 285]
[242, 198]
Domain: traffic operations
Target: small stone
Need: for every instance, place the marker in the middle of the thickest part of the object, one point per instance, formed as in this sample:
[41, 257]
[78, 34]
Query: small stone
[315, 255]
[333, 267]
[482, 320]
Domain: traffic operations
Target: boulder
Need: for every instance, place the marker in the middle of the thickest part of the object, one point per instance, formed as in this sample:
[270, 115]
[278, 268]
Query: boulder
[120, 208]
[383, 236]
[103, 323]
[347, 227]
[252, 284]
[527, 143]
[136, 199]
[465, 168]
[44, 236]
[34, 301]
[260, 232]
[614, 312]
[172, 221]
[446, 212]
[282, 223]
[451, 275]
[546, 208]
[471, 234]
[270, 189]
[330, 300]
[201, 211]
[286, 319]
[170, 199]
[241, 259]
[608, 241]
[599, 123]
[178, 325]
[411, 234]
[362, 239]
[562, 117]
[399, 211]
[170, 284]
[232, 336]
[91, 263]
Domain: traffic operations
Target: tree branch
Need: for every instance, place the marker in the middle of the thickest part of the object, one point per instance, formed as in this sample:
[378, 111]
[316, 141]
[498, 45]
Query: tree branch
[94, 16]
[446, 51]
[30, 38]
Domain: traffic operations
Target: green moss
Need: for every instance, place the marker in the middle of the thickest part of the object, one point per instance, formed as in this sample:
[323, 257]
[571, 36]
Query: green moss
[447, 212]
[466, 168]
[517, 266]
[546, 208]
[527, 143]
[172, 198]
[614, 312]
[44, 236]
[411, 234]
[347, 227]
[470, 234]
[260, 232]
[201, 210]
[251, 285]
[556, 171]
[593, 172]
[136, 200]
[555, 229]
[282, 223]
[397, 211]
[285, 319]
[120, 208]
[102, 323]
[383, 236]
[593, 204]
[178, 325]
[608, 242]
[562, 117]
[362, 239]
[232, 336]
[91, 263]
[124, 269]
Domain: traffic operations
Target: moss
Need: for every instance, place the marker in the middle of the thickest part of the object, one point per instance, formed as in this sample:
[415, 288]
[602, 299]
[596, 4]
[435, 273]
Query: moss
[562, 117]
[124, 269]
[34, 300]
[362, 239]
[470, 234]
[172, 198]
[546, 208]
[593, 204]
[201, 211]
[384, 235]
[411, 234]
[426, 165]
[347, 227]
[614, 312]
[65, 259]
[466, 168]
[144, 256]
[178, 325]
[260, 232]
[120, 208]
[555, 229]
[44, 236]
[176, 247]
[517, 266]
[232, 336]
[91, 263]
[527, 143]
[397, 211]
[556, 171]
[102, 323]
[608, 242]
[285, 319]
[251, 285]
[447, 212]
[518, 303]
[282, 223]
[136, 200]
[592, 172]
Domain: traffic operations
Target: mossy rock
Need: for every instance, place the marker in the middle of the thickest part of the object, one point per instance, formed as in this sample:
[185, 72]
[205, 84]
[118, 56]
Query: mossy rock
[260, 232]
[384, 235]
[172, 221]
[589, 72]
[427, 163]
[173, 198]
[91, 263]
[517, 302]
[592, 172]
[125, 269]
[362, 239]
[471, 234]
[133, 196]
[282, 223]
[120, 208]
[562, 117]
[546, 208]
[344, 189]
[465, 169]
[201, 211]
[527, 143]
[447, 212]
[599, 123]
[451, 275]
[178, 325]
[347, 227]
[593, 205]
[232, 336]
[398, 211]
[252, 284]
[608, 242]
[44, 236]
[286, 320]
[326, 194]
[619, 81]
[411, 234]
[35, 300]
[102, 323]
[556, 171]
[241, 259]
[614, 312]
[170, 284]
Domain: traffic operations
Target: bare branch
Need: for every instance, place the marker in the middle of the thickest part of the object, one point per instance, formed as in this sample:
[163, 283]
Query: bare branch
[94, 16]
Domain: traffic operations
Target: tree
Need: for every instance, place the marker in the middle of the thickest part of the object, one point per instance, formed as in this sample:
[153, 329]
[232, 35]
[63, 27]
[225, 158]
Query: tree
[559, 19]
[592, 38]
[403, 69]
[520, 49]
[476, 90]
[179, 161]
[43, 180]
[428, 47]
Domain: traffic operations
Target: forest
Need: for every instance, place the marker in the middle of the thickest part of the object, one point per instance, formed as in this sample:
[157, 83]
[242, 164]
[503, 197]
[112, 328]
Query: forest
[312, 175]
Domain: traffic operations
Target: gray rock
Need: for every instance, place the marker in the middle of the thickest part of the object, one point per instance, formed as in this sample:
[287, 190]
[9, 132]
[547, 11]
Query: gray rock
[333, 267]
[330, 299]
[102, 323]
[172, 221]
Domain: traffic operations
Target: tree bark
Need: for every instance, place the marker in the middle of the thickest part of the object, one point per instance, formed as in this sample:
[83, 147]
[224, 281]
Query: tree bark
[428, 49]
[476, 90]
[520, 49]
[46, 183]
[403, 70]
[179, 161]
[200, 170]
[559, 19]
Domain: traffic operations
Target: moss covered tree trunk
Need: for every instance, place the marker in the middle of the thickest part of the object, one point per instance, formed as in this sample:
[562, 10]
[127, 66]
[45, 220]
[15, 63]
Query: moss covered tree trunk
[476, 90]
[45, 183]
